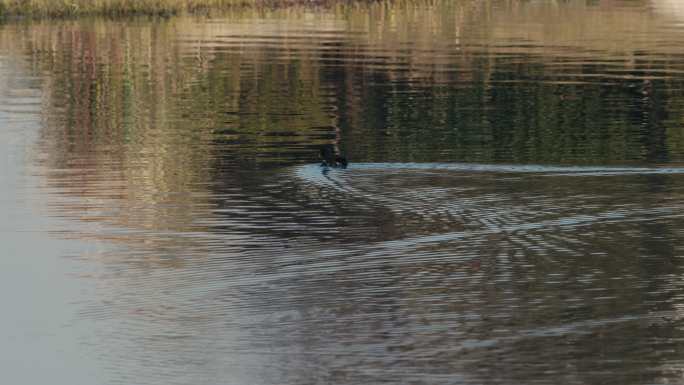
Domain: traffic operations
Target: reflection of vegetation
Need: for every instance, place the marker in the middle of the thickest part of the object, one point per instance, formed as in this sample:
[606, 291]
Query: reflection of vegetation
[520, 122]
[402, 95]
[162, 104]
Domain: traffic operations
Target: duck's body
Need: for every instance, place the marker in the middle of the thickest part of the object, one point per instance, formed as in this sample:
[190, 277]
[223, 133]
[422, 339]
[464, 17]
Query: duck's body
[330, 159]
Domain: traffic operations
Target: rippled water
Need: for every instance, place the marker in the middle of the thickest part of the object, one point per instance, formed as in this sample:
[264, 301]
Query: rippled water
[512, 213]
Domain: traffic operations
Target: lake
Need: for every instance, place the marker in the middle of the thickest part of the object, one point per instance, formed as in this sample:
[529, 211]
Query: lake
[513, 212]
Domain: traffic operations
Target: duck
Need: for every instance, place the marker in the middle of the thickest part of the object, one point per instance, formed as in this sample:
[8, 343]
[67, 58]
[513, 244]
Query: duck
[331, 159]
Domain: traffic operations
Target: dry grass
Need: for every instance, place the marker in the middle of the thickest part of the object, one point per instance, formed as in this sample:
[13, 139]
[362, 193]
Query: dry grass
[62, 8]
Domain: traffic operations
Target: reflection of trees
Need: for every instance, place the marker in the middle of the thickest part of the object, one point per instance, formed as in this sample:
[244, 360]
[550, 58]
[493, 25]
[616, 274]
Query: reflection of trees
[141, 111]
[110, 133]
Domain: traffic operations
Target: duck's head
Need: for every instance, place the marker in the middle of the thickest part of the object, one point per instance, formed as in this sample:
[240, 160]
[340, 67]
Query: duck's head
[341, 161]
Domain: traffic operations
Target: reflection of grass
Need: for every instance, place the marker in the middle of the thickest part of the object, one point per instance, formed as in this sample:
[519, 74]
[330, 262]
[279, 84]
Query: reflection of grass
[54, 8]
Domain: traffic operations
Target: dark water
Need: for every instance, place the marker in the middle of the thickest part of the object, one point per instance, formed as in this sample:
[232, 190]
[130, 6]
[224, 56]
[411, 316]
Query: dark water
[512, 214]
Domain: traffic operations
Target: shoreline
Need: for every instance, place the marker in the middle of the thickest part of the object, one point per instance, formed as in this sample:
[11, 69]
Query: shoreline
[59, 9]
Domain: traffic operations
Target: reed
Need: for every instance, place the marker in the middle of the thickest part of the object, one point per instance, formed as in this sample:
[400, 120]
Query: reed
[66, 8]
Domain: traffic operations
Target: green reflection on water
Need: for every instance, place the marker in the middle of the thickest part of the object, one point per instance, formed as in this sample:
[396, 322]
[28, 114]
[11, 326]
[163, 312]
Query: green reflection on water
[387, 82]
[141, 108]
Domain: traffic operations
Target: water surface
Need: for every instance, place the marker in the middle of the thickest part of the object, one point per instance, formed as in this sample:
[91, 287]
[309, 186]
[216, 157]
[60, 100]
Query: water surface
[512, 213]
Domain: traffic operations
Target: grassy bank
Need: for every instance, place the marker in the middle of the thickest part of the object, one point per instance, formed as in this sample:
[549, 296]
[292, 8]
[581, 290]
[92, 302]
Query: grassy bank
[65, 8]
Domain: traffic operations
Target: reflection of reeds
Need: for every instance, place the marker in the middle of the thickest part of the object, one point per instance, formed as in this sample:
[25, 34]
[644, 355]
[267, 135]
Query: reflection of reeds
[131, 114]
[109, 7]
[109, 135]
[138, 115]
